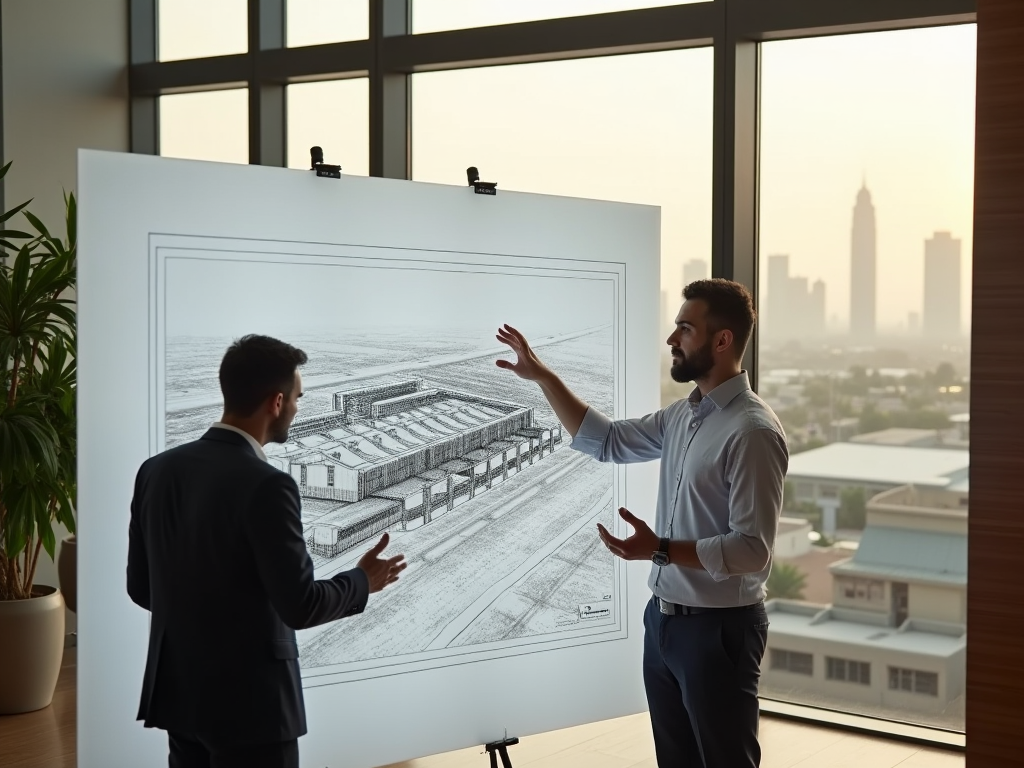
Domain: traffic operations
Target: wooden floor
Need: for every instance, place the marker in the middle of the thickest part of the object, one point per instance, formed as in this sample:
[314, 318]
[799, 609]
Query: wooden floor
[46, 739]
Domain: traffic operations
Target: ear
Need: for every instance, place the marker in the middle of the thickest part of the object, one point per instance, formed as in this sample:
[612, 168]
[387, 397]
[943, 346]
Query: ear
[725, 340]
[276, 403]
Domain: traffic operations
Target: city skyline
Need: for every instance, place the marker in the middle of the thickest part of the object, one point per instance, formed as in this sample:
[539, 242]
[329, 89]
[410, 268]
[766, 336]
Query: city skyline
[794, 307]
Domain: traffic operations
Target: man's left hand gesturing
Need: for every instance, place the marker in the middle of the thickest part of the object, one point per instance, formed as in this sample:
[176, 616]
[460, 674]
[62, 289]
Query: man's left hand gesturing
[640, 546]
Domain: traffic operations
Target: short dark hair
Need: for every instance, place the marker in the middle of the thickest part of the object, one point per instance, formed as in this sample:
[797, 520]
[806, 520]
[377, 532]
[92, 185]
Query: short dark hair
[730, 305]
[255, 368]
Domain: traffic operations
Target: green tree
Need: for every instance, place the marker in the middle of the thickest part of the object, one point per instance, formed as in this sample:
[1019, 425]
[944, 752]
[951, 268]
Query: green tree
[852, 508]
[788, 494]
[786, 582]
[818, 392]
[921, 418]
[945, 374]
[873, 420]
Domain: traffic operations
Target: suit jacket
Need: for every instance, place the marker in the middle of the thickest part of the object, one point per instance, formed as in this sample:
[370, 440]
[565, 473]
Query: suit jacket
[216, 555]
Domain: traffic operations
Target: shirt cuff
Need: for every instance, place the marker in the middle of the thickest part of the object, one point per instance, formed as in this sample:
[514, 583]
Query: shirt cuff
[709, 552]
[592, 433]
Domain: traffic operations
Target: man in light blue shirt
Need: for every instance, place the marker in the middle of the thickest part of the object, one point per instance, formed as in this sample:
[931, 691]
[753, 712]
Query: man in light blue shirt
[723, 463]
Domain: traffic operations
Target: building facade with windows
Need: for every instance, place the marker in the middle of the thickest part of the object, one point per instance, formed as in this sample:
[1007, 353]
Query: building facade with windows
[894, 636]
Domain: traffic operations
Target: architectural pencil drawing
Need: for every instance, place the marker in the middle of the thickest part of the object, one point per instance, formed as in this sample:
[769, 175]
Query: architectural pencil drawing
[413, 430]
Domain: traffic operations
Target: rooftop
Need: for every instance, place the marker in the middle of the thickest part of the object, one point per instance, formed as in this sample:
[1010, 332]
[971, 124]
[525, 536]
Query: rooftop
[882, 465]
[836, 625]
[905, 555]
[357, 440]
[899, 436]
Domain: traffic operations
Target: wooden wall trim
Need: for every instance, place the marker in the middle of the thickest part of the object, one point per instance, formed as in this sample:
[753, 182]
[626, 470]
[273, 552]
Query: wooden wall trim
[995, 624]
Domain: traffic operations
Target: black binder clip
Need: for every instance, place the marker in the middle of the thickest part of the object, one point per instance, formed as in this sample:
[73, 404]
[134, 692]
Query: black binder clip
[316, 163]
[480, 187]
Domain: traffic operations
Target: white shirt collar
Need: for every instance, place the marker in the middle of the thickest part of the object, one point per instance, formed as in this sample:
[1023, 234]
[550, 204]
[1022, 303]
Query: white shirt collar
[252, 440]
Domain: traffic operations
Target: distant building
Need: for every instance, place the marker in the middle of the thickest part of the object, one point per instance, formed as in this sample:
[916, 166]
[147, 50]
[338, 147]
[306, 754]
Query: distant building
[863, 259]
[905, 437]
[776, 322]
[962, 423]
[793, 538]
[941, 319]
[694, 269]
[894, 636]
[820, 475]
[392, 454]
[914, 323]
[795, 311]
[816, 308]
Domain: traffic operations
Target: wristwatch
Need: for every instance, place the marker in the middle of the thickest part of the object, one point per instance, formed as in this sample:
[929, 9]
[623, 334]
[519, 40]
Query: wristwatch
[660, 557]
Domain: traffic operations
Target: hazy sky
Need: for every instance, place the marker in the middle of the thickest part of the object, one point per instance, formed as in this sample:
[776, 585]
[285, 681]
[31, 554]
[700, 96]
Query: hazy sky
[296, 298]
[894, 108]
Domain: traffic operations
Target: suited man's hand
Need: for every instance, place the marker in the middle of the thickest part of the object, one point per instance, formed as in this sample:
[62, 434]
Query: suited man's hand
[381, 571]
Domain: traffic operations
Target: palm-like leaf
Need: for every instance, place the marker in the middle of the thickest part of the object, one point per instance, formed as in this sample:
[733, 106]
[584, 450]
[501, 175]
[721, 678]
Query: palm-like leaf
[786, 582]
[38, 441]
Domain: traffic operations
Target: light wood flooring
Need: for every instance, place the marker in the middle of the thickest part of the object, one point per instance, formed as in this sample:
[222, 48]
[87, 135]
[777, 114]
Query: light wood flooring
[46, 739]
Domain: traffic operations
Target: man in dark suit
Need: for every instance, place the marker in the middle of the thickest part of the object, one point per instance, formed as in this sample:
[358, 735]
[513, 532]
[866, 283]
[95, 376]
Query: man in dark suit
[216, 554]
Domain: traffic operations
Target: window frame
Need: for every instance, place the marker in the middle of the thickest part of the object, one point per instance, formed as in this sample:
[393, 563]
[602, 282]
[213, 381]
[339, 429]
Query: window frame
[391, 54]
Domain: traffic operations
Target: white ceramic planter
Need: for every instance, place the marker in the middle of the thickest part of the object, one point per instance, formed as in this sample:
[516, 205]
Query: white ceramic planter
[31, 649]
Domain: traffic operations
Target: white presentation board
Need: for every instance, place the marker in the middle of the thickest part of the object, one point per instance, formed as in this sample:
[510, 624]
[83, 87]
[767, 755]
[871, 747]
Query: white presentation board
[511, 616]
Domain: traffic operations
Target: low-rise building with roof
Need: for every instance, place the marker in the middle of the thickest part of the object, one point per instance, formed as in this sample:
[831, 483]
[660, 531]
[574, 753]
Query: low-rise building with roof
[393, 454]
[895, 635]
[820, 475]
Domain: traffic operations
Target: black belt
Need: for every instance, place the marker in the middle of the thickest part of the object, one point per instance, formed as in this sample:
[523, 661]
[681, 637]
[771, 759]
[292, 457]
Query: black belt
[673, 609]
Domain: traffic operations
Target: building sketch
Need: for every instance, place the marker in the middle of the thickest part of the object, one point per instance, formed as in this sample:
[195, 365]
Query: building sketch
[410, 428]
[393, 454]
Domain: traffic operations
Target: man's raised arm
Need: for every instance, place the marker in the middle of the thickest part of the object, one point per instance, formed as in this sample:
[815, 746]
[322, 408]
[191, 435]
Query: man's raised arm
[569, 409]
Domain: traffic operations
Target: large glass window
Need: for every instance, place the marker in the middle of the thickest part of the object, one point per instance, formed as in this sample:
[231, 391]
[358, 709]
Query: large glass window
[190, 29]
[333, 115]
[440, 15]
[313, 22]
[867, 146]
[212, 125]
[632, 128]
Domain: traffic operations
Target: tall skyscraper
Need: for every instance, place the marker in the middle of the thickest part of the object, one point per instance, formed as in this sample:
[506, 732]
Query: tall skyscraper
[816, 310]
[777, 321]
[694, 269]
[941, 317]
[862, 268]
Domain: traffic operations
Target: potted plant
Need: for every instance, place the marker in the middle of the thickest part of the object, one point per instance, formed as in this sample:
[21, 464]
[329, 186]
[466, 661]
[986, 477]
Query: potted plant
[37, 450]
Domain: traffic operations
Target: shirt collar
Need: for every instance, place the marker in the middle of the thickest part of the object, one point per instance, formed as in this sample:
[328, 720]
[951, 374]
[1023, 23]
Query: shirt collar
[252, 440]
[724, 393]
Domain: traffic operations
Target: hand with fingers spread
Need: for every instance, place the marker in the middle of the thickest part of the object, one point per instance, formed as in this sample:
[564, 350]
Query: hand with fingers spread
[640, 546]
[381, 571]
[527, 366]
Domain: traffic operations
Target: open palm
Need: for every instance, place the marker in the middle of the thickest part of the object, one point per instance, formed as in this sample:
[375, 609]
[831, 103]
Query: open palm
[527, 365]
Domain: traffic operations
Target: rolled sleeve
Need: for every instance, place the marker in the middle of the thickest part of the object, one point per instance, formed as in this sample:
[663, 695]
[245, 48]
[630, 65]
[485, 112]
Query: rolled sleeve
[756, 471]
[592, 433]
[620, 442]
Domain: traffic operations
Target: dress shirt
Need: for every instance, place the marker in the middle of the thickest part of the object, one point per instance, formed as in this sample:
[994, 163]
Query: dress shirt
[723, 464]
[252, 440]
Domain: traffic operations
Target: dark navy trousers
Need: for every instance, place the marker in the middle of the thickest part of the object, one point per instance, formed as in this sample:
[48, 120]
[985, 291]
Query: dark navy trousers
[701, 673]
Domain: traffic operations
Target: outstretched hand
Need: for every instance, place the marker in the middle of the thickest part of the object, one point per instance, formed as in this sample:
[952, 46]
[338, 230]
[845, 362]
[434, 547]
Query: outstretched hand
[527, 365]
[381, 571]
[640, 546]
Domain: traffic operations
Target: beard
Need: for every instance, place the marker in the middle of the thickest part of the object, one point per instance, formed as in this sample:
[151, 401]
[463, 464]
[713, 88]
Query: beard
[278, 431]
[694, 366]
